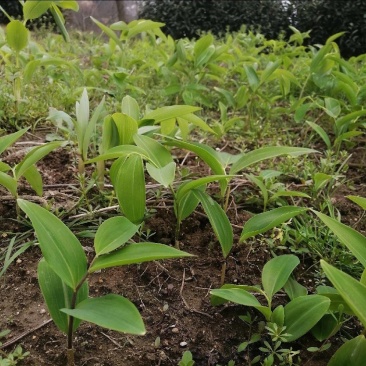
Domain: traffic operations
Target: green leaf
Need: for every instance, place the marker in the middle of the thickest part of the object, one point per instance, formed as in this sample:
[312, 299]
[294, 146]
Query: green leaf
[67, 4]
[267, 220]
[349, 118]
[60, 247]
[34, 178]
[17, 35]
[267, 153]
[187, 204]
[57, 295]
[352, 239]
[164, 175]
[361, 201]
[118, 152]
[293, 289]
[35, 8]
[277, 271]
[112, 312]
[7, 140]
[321, 132]
[332, 107]
[202, 51]
[109, 32]
[156, 152]
[185, 188]
[302, 313]
[9, 183]
[278, 315]
[131, 107]
[126, 126]
[128, 178]
[327, 326]
[136, 253]
[351, 353]
[252, 76]
[60, 21]
[241, 297]
[218, 220]
[33, 156]
[352, 291]
[113, 233]
[164, 113]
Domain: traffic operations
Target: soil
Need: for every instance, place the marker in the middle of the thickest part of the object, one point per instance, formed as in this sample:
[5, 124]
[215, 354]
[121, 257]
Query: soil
[172, 296]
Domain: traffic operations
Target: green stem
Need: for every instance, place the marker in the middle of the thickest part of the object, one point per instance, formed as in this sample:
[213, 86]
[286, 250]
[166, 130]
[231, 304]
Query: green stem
[70, 350]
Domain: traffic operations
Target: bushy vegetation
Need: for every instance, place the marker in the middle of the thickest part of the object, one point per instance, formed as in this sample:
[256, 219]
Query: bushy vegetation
[271, 18]
[272, 124]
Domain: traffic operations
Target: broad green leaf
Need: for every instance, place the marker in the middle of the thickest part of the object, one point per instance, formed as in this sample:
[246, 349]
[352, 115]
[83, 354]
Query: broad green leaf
[346, 136]
[332, 107]
[321, 132]
[113, 233]
[67, 4]
[200, 49]
[352, 239]
[204, 57]
[156, 152]
[218, 220]
[242, 297]
[352, 291]
[277, 271]
[60, 247]
[34, 156]
[293, 289]
[131, 107]
[90, 130]
[110, 136]
[33, 9]
[319, 58]
[349, 118]
[136, 253]
[57, 295]
[269, 70]
[327, 326]
[265, 221]
[278, 316]
[164, 113]
[187, 204]
[206, 153]
[9, 183]
[7, 140]
[34, 178]
[127, 175]
[164, 175]
[361, 201]
[60, 21]
[185, 188]
[351, 353]
[267, 153]
[143, 25]
[17, 35]
[112, 312]
[108, 31]
[302, 313]
[252, 76]
[119, 151]
[126, 126]
[4, 167]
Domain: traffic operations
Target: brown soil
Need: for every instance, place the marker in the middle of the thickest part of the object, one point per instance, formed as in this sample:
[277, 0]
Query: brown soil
[172, 296]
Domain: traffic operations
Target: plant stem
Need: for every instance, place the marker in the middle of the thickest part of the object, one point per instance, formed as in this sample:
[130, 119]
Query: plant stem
[223, 272]
[70, 350]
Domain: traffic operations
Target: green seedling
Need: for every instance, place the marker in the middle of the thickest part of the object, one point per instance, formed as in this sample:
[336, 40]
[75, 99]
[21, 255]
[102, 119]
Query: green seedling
[63, 272]
[14, 357]
[352, 291]
[83, 128]
[10, 176]
[284, 323]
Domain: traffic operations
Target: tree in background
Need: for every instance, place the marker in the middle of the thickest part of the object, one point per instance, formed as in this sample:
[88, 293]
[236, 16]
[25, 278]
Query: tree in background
[186, 18]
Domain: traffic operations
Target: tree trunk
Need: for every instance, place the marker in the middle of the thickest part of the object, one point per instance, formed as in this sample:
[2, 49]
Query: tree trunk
[121, 10]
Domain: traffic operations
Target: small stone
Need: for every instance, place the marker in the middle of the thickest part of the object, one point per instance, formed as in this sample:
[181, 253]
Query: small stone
[183, 344]
[175, 330]
[19, 261]
[43, 311]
